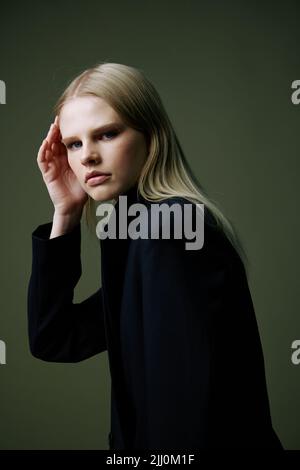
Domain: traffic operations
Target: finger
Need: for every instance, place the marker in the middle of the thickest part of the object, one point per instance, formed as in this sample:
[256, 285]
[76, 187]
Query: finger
[42, 157]
[62, 149]
[52, 129]
[49, 156]
[49, 136]
[56, 123]
[52, 135]
[56, 135]
[54, 149]
[42, 151]
[56, 131]
[49, 131]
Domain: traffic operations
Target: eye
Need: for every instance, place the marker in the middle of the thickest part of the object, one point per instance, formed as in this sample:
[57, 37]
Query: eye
[70, 146]
[112, 133]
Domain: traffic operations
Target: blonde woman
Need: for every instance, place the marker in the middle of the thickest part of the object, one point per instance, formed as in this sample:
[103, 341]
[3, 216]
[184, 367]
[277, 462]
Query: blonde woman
[184, 351]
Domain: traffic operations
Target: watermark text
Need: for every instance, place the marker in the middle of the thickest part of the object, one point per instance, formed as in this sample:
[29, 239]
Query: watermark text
[295, 97]
[295, 357]
[139, 221]
[2, 92]
[2, 352]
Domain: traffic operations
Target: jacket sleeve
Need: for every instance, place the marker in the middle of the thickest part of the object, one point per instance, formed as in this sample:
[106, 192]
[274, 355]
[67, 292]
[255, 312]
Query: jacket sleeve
[58, 329]
[179, 288]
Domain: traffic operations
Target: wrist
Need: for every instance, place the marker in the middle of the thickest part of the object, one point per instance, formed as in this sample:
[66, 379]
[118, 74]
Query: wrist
[63, 223]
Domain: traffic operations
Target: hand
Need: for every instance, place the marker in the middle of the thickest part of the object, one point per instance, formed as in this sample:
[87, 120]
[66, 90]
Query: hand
[63, 187]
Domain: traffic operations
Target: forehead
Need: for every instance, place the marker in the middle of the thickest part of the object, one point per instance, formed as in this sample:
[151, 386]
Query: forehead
[86, 111]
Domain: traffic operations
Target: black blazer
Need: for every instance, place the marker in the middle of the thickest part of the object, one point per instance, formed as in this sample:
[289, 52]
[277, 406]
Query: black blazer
[184, 351]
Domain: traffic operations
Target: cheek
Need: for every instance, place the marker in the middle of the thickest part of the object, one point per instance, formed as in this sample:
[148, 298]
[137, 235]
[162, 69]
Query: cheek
[71, 164]
[130, 157]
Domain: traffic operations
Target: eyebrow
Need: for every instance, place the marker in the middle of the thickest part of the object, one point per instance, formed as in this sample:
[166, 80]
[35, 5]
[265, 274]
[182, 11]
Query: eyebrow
[94, 131]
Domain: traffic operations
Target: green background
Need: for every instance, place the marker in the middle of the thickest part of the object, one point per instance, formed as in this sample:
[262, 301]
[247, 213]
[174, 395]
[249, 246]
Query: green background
[224, 71]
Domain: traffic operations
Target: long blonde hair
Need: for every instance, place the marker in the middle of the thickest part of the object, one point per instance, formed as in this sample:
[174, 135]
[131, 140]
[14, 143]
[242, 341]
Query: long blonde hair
[166, 172]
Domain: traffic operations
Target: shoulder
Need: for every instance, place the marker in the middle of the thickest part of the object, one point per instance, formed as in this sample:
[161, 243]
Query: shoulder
[215, 263]
[182, 226]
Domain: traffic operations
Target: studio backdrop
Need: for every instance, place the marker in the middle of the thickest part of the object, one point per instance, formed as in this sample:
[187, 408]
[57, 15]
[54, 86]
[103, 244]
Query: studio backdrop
[228, 74]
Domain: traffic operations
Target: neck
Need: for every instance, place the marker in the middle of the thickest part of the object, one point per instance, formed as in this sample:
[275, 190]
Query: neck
[131, 194]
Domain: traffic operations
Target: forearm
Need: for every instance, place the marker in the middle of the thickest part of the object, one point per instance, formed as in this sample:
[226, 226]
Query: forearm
[60, 330]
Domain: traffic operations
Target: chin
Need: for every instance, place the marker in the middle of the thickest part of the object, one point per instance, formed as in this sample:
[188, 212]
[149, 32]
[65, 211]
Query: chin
[103, 194]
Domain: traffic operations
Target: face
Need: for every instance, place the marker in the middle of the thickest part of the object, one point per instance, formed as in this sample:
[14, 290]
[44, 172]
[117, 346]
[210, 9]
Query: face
[98, 141]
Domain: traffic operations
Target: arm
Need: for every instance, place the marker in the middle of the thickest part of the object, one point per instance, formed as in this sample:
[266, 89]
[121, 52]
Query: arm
[59, 330]
[180, 291]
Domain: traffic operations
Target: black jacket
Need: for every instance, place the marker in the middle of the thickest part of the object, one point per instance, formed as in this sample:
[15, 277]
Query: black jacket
[179, 326]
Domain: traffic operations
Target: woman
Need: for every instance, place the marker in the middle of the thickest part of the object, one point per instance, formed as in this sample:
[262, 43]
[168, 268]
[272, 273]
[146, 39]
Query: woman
[179, 327]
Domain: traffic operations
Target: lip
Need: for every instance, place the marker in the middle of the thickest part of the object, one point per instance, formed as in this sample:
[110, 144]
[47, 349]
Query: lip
[97, 179]
[93, 173]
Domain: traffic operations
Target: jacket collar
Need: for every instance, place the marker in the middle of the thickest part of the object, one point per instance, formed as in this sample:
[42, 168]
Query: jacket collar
[133, 197]
[131, 194]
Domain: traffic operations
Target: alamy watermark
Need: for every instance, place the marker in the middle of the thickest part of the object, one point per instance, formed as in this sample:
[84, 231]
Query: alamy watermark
[180, 215]
[295, 357]
[2, 352]
[2, 92]
[295, 97]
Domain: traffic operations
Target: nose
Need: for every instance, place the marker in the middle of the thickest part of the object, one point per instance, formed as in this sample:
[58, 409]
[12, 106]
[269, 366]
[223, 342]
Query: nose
[90, 154]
